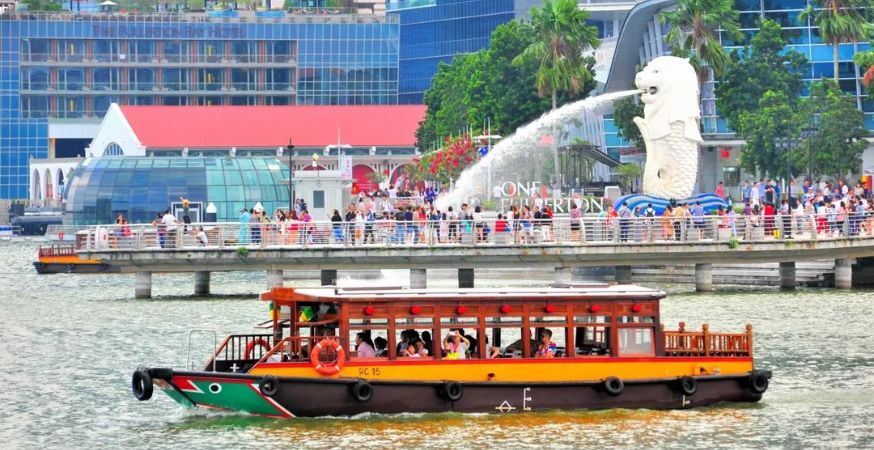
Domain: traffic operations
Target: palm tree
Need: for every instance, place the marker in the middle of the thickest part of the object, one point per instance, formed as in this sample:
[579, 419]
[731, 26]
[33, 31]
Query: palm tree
[628, 173]
[694, 33]
[839, 21]
[562, 37]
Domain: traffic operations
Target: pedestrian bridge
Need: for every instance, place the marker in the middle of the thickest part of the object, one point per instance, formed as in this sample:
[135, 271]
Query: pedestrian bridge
[559, 243]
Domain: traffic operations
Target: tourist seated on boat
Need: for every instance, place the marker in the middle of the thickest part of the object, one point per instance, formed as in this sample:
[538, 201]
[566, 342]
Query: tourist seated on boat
[472, 341]
[364, 346]
[427, 340]
[420, 349]
[547, 348]
[491, 351]
[456, 346]
[407, 337]
[411, 352]
[381, 345]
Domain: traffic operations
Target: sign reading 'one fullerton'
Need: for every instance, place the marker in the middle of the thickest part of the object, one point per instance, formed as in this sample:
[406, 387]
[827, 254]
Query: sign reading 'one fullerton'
[170, 30]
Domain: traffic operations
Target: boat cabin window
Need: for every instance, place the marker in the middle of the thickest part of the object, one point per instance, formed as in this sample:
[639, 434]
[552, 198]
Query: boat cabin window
[634, 341]
[494, 329]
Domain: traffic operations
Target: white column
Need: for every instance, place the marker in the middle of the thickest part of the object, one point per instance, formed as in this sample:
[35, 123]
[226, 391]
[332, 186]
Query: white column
[787, 275]
[703, 277]
[143, 285]
[418, 278]
[843, 273]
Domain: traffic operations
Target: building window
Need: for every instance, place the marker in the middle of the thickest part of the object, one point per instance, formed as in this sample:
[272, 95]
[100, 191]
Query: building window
[318, 199]
[731, 176]
[113, 149]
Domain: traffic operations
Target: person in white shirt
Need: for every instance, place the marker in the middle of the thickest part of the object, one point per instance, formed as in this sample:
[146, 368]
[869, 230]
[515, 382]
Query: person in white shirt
[364, 346]
[169, 221]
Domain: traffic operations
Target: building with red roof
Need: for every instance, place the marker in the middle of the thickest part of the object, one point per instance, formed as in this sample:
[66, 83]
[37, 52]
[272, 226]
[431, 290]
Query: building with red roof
[378, 139]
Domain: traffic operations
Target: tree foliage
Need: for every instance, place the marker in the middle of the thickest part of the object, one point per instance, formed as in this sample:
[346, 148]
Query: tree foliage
[694, 32]
[838, 146]
[624, 112]
[448, 162]
[562, 37]
[43, 5]
[474, 87]
[776, 119]
[759, 68]
[839, 21]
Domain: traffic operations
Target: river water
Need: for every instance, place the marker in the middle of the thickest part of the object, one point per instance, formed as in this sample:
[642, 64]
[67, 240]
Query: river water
[68, 345]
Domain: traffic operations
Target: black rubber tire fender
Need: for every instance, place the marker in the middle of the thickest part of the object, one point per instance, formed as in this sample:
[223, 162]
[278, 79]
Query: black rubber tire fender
[688, 385]
[141, 385]
[362, 391]
[453, 391]
[759, 382]
[69, 268]
[614, 386]
[269, 385]
[102, 267]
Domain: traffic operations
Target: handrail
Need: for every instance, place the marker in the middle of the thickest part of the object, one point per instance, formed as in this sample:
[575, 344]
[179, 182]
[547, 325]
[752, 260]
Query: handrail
[384, 232]
[706, 343]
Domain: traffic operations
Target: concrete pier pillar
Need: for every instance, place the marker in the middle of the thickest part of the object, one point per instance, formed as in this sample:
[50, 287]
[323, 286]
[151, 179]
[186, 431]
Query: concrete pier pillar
[787, 275]
[274, 278]
[418, 278]
[329, 277]
[201, 283]
[703, 277]
[844, 273]
[143, 285]
[623, 274]
[564, 274]
[465, 278]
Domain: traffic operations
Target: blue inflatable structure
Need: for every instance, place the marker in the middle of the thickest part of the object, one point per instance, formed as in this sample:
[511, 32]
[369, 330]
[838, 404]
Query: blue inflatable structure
[710, 202]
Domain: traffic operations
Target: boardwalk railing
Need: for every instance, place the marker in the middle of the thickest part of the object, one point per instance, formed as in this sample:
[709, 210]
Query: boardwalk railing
[469, 233]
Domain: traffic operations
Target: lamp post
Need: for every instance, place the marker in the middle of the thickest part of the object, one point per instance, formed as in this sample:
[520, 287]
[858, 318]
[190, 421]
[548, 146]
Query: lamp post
[785, 144]
[291, 198]
[487, 138]
[806, 134]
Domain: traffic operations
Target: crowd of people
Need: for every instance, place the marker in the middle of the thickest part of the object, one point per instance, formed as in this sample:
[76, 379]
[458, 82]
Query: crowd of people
[456, 345]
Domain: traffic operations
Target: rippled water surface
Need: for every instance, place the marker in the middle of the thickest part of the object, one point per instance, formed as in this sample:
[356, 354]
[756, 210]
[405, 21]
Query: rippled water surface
[68, 345]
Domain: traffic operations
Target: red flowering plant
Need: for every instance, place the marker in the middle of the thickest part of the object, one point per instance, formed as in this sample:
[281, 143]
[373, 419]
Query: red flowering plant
[447, 162]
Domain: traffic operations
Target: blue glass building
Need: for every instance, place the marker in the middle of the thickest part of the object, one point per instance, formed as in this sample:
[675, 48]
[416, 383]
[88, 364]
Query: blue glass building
[434, 31]
[61, 70]
[141, 187]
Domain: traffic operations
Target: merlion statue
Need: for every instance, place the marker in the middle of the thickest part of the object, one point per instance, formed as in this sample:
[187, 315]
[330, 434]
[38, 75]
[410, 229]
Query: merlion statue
[669, 127]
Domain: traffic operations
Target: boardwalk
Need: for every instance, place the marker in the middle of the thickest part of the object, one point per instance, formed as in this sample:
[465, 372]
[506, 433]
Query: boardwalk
[466, 246]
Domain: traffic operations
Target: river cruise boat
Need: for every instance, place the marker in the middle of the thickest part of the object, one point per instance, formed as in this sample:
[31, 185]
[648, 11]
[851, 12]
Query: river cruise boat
[341, 352]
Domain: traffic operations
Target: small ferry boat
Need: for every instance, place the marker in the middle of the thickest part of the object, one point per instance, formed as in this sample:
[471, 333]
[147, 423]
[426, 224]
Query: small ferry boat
[341, 352]
[62, 258]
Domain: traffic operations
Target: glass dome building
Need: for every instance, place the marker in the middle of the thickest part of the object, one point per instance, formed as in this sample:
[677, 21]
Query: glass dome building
[141, 187]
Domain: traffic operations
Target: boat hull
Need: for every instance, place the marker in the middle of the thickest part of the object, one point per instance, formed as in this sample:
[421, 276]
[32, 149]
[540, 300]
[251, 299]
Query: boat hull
[77, 266]
[314, 397]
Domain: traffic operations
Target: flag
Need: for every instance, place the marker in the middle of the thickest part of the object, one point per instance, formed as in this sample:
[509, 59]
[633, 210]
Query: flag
[274, 311]
[306, 314]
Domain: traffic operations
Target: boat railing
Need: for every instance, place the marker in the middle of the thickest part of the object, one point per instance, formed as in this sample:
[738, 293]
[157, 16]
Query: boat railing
[707, 343]
[239, 350]
[56, 250]
[295, 348]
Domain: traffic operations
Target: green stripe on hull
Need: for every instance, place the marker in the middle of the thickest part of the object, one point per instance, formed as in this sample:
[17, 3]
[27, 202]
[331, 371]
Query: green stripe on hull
[223, 394]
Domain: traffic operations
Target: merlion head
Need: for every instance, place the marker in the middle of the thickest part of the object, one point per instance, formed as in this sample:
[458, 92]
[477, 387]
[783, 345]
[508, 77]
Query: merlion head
[670, 94]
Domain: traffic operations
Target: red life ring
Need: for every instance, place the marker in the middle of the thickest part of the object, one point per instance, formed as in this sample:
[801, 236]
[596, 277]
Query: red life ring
[251, 346]
[327, 368]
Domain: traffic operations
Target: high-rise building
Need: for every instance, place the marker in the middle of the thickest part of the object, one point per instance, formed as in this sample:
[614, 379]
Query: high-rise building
[642, 39]
[59, 72]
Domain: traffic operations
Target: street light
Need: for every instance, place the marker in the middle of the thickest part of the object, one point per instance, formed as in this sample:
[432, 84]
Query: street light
[488, 138]
[806, 134]
[787, 144]
[291, 198]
